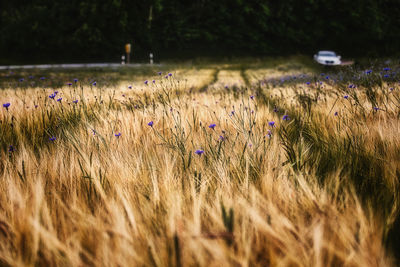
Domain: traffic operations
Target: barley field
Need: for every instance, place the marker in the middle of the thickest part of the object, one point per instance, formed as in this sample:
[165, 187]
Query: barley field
[272, 162]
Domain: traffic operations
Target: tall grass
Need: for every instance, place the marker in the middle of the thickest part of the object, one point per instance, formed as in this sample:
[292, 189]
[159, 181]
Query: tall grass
[114, 189]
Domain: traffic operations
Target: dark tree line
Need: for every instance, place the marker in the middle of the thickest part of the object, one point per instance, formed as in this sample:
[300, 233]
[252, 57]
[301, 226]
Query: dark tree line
[73, 30]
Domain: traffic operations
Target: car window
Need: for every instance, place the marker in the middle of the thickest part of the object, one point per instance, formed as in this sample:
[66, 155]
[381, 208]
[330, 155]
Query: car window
[327, 54]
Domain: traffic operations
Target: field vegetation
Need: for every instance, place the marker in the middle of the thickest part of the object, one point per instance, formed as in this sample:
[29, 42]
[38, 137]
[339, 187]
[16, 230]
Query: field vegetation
[272, 162]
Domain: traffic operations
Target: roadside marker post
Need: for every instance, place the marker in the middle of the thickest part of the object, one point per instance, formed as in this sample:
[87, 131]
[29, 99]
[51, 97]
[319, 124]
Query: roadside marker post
[128, 53]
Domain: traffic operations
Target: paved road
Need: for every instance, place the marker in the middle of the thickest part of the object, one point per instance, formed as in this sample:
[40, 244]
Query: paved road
[72, 66]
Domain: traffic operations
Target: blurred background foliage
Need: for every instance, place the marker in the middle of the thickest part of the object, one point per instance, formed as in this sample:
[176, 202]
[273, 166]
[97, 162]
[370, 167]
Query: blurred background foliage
[96, 30]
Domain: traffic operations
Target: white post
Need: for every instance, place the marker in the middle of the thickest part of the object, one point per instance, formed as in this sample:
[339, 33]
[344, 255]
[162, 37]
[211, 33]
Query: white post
[151, 58]
[123, 60]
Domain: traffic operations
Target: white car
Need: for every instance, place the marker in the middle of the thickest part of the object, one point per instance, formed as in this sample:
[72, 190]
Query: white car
[327, 58]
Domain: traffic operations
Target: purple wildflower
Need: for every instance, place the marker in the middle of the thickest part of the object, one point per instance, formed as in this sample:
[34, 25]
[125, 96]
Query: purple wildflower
[368, 71]
[252, 97]
[386, 69]
[53, 138]
[346, 97]
[376, 108]
[150, 124]
[21, 80]
[336, 113]
[42, 78]
[94, 83]
[6, 105]
[159, 73]
[118, 134]
[75, 101]
[271, 123]
[75, 80]
[285, 117]
[69, 84]
[11, 149]
[212, 126]
[130, 87]
[169, 74]
[199, 152]
[59, 100]
[146, 82]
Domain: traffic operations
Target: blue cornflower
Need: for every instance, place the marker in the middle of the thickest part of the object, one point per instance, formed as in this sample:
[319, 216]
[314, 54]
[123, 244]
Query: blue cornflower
[59, 100]
[221, 138]
[308, 83]
[212, 126]
[6, 105]
[252, 97]
[55, 92]
[75, 80]
[150, 124]
[285, 117]
[386, 69]
[271, 123]
[232, 113]
[130, 86]
[327, 77]
[11, 149]
[199, 152]
[42, 78]
[346, 96]
[75, 101]
[52, 96]
[146, 82]
[169, 74]
[69, 84]
[368, 71]
[226, 87]
[94, 84]
[159, 73]
[118, 134]
[351, 86]
[376, 108]
[53, 138]
[21, 80]
[386, 76]
[154, 81]
[336, 113]
[275, 109]
[30, 77]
